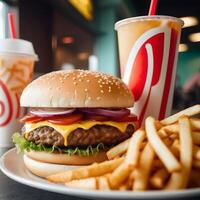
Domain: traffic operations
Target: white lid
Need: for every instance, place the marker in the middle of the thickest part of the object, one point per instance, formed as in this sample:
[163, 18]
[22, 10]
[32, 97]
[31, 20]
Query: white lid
[147, 17]
[17, 46]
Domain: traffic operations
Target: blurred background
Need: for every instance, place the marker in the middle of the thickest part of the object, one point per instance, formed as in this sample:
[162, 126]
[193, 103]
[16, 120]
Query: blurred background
[69, 34]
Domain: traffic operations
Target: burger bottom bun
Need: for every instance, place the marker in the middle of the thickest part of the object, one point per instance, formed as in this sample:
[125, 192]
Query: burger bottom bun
[44, 169]
[43, 164]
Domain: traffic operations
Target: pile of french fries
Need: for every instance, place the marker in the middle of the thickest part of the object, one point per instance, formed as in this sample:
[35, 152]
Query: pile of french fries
[164, 155]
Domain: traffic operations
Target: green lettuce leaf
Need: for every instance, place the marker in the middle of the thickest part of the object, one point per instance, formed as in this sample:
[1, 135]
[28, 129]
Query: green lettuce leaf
[24, 145]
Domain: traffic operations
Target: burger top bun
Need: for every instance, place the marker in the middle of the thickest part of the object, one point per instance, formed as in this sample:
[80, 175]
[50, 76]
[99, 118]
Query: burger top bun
[77, 88]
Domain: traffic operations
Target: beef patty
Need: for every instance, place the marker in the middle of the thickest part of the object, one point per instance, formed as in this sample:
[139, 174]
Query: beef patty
[108, 135]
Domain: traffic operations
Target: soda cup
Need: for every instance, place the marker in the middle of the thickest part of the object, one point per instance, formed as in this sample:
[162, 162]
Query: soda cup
[148, 50]
[17, 58]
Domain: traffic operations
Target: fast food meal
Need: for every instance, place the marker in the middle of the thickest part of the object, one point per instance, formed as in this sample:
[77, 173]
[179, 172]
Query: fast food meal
[74, 118]
[162, 155]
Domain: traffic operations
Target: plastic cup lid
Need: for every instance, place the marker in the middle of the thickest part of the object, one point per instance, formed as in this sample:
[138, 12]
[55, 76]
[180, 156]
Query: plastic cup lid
[17, 46]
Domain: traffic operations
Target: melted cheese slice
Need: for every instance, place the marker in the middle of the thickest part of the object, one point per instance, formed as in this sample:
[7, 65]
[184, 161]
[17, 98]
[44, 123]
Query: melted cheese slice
[65, 130]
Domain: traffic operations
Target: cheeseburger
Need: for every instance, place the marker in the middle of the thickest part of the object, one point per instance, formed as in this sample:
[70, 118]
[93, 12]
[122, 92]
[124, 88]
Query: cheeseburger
[74, 118]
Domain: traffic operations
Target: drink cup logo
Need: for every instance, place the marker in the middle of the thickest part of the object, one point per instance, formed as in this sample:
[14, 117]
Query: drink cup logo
[6, 106]
[15, 74]
[149, 71]
[8, 101]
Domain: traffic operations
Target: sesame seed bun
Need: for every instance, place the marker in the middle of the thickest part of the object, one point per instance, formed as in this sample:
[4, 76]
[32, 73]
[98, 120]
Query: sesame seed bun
[77, 88]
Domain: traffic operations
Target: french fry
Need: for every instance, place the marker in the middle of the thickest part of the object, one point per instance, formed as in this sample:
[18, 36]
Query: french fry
[196, 152]
[158, 125]
[196, 137]
[167, 141]
[121, 149]
[172, 128]
[176, 143]
[103, 183]
[86, 172]
[118, 149]
[175, 151]
[194, 110]
[120, 175]
[173, 136]
[180, 179]
[124, 187]
[133, 175]
[158, 164]
[196, 164]
[160, 148]
[162, 133]
[144, 168]
[195, 124]
[87, 184]
[158, 178]
[122, 172]
[134, 147]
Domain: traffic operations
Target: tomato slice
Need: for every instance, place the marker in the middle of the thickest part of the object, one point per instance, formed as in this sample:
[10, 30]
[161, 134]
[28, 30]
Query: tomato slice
[65, 120]
[128, 118]
[31, 119]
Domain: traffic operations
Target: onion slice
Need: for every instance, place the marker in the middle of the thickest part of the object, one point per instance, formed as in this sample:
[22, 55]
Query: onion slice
[106, 112]
[48, 112]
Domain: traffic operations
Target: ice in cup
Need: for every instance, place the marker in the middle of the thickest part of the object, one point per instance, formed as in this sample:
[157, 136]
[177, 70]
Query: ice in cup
[17, 58]
[148, 50]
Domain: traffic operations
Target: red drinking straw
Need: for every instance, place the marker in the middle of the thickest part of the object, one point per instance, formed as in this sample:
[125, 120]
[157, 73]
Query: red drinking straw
[12, 26]
[153, 6]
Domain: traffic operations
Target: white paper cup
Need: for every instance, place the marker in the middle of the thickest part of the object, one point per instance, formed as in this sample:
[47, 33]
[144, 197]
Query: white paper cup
[148, 50]
[17, 59]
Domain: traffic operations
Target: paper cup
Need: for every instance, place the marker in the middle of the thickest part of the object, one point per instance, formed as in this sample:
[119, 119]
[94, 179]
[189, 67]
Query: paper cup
[148, 49]
[17, 59]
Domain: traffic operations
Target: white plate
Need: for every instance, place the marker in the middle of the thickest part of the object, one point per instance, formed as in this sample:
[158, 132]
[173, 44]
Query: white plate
[12, 165]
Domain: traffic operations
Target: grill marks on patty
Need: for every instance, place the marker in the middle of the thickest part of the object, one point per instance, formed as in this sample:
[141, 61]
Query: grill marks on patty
[99, 134]
[108, 135]
[45, 135]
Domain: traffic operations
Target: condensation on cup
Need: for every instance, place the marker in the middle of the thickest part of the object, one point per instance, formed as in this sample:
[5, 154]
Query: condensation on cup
[17, 58]
[148, 50]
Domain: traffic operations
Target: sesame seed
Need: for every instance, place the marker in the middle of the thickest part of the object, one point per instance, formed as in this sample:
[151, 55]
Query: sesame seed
[102, 91]
[98, 98]
[100, 86]
[86, 89]
[88, 80]
[75, 83]
[89, 98]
